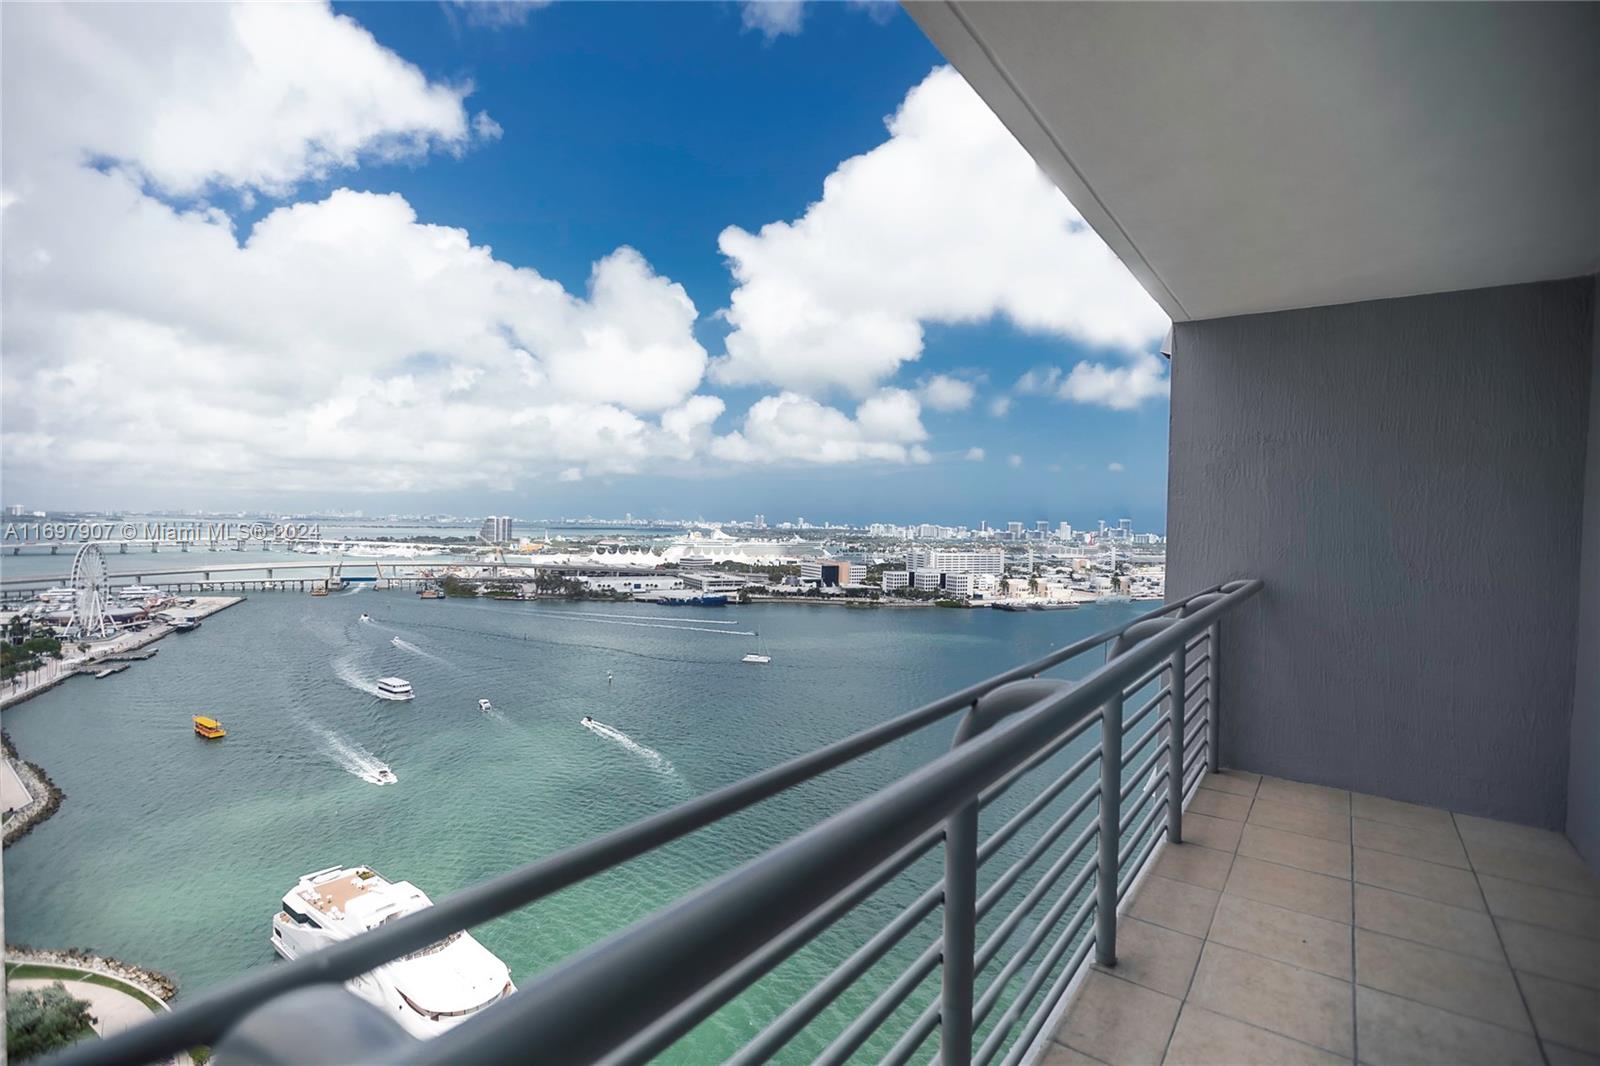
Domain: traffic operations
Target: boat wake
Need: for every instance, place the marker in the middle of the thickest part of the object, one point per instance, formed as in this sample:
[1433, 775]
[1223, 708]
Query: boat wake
[343, 669]
[611, 621]
[406, 645]
[356, 760]
[650, 755]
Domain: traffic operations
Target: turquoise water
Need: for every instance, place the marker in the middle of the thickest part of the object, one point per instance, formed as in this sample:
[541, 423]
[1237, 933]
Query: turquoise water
[173, 852]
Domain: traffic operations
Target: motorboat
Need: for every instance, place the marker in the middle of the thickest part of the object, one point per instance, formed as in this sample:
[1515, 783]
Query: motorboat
[427, 991]
[485, 705]
[394, 688]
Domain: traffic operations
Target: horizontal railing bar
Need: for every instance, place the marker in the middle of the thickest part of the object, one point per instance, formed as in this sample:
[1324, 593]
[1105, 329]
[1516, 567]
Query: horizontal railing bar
[1203, 638]
[816, 1000]
[1203, 683]
[1047, 838]
[1190, 667]
[637, 974]
[1132, 752]
[1138, 808]
[1198, 731]
[674, 1024]
[1122, 855]
[1190, 780]
[867, 1022]
[1144, 679]
[1142, 775]
[914, 1036]
[1137, 866]
[996, 940]
[1155, 701]
[1026, 949]
[1193, 708]
[997, 790]
[1193, 754]
[1030, 989]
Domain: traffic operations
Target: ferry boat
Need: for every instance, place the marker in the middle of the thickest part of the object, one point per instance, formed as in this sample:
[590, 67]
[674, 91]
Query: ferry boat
[394, 688]
[209, 728]
[427, 991]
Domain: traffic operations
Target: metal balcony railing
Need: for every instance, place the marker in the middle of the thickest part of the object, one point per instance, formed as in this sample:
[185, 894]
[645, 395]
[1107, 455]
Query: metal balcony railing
[981, 989]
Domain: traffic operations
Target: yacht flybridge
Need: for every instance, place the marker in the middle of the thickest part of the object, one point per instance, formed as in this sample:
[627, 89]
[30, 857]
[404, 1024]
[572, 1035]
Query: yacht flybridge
[427, 991]
[394, 688]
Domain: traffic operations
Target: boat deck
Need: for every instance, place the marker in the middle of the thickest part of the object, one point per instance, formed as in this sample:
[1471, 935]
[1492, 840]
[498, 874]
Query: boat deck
[337, 893]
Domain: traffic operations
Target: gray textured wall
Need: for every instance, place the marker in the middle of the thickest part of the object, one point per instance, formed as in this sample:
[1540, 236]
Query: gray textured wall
[1583, 775]
[1407, 477]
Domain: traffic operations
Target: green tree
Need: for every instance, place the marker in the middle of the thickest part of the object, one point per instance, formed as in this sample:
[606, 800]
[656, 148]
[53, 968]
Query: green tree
[43, 1019]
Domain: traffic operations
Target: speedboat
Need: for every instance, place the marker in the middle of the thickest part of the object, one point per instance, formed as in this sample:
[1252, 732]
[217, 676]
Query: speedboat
[384, 776]
[754, 658]
[485, 705]
[394, 688]
[428, 991]
[586, 720]
[365, 617]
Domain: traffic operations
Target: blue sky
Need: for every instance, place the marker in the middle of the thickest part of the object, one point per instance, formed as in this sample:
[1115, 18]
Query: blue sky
[650, 126]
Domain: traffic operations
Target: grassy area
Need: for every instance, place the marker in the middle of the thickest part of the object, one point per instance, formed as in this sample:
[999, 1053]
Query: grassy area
[68, 973]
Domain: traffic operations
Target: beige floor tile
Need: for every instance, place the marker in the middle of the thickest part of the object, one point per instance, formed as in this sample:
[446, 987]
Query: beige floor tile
[1175, 905]
[1395, 812]
[1209, 832]
[1286, 886]
[1158, 958]
[1205, 1038]
[1566, 873]
[1295, 849]
[1392, 1031]
[1511, 835]
[1240, 784]
[1275, 814]
[1443, 979]
[1564, 1014]
[1558, 1055]
[1566, 911]
[1300, 794]
[1299, 939]
[1219, 804]
[1551, 953]
[1430, 845]
[1194, 864]
[1443, 884]
[1060, 1055]
[1117, 1022]
[1296, 1003]
[1437, 924]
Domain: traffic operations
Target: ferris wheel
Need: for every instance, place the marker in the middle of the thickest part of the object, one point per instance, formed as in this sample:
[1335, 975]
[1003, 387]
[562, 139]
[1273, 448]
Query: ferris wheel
[91, 594]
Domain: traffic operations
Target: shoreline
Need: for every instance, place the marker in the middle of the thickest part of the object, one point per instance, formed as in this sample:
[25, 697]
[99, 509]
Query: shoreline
[44, 798]
[205, 607]
[153, 983]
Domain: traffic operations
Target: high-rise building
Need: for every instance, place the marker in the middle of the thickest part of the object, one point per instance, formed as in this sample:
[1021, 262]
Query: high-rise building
[1064, 531]
[761, 521]
[496, 529]
[1041, 526]
[1014, 530]
[957, 560]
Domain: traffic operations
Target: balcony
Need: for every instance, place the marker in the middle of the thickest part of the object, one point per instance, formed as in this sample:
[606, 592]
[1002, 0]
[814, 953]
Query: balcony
[1377, 231]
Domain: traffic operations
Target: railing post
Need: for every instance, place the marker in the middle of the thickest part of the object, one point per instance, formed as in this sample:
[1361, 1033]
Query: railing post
[1178, 706]
[1213, 694]
[960, 936]
[1107, 842]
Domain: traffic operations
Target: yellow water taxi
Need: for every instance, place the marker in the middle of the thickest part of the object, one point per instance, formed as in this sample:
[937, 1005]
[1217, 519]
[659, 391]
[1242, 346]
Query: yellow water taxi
[209, 728]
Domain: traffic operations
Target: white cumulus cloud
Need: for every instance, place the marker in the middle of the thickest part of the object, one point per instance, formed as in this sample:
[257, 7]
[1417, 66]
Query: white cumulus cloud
[975, 455]
[1118, 386]
[344, 341]
[945, 393]
[1014, 460]
[949, 221]
[793, 428]
[773, 18]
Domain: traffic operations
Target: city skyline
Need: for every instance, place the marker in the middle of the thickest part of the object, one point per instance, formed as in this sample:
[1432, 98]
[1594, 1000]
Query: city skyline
[615, 213]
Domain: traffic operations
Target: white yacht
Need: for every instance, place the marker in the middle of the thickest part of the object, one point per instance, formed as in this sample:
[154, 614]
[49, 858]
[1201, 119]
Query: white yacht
[485, 705]
[427, 991]
[394, 688]
[754, 657]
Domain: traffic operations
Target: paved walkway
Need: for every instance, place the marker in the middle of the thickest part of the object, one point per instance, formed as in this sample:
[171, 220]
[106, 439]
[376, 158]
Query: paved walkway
[1304, 924]
[114, 1011]
[14, 795]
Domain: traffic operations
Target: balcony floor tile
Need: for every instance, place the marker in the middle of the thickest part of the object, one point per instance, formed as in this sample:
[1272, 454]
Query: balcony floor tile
[1337, 927]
